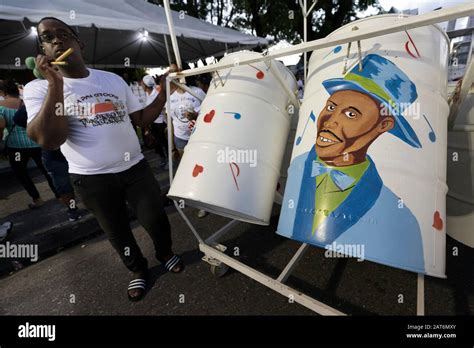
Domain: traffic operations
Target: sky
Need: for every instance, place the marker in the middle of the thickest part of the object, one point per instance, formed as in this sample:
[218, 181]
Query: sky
[423, 5]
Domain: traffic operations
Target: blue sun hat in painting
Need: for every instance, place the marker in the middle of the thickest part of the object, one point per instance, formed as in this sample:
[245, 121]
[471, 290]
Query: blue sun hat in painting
[386, 83]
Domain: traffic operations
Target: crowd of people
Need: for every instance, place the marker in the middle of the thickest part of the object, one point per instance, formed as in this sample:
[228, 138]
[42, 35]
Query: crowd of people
[89, 147]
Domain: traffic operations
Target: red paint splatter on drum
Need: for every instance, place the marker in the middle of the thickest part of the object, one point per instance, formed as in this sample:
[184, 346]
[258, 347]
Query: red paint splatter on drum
[197, 170]
[209, 116]
[437, 221]
[260, 74]
[235, 175]
[407, 48]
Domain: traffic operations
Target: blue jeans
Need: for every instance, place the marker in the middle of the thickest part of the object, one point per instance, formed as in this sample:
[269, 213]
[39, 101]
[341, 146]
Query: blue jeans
[58, 168]
[180, 143]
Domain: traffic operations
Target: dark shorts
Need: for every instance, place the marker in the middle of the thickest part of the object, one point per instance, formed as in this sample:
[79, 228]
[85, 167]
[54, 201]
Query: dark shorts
[180, 143]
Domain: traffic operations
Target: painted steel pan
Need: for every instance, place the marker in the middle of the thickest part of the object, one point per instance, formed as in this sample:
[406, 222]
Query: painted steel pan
[231, 164]
[367, 176]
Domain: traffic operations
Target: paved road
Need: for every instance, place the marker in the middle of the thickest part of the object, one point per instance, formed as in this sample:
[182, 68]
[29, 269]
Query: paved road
[92, 275]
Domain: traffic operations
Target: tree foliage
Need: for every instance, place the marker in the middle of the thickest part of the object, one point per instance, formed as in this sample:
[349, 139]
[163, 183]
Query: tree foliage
[275, 19]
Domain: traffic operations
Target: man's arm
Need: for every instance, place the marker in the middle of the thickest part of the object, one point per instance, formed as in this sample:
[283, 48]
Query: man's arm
[145, 117]
[50, 127]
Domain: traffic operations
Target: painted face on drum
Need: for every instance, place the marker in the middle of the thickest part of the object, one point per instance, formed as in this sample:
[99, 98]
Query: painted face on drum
[347, 125]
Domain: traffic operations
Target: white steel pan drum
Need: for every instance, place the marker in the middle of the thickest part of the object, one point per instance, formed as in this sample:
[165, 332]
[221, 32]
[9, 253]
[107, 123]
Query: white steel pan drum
[368, 170]
[460, 201]
[231, 164]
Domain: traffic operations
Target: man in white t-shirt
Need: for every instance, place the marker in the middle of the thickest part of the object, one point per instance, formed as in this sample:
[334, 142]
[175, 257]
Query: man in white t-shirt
[88, 114]
[157, 128]
[184, 107]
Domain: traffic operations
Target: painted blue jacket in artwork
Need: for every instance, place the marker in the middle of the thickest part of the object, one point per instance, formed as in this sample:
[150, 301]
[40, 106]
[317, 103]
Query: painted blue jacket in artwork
[371, 215]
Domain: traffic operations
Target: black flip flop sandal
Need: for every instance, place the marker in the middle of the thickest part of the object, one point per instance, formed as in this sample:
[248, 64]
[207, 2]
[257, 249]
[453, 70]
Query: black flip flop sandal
[137, 284]
[172, 263]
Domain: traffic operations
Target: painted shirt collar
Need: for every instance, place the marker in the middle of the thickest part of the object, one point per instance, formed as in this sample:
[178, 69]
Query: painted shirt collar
[355, 171]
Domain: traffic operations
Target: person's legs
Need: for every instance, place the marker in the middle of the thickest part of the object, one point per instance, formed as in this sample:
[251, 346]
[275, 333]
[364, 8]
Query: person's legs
[163, 137]
[35, 154]
[158, 132]
[18, 159]
[144, 196]
[58, 169]
[104, 196]
[180, 145]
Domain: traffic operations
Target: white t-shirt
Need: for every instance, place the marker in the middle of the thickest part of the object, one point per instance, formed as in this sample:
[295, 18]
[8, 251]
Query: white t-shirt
[149, 99]
[101, 138]
[179, 104]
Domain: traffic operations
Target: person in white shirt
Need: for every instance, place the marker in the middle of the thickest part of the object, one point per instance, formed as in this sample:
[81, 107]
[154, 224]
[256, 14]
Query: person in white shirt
[158, 127]
[184, 107]
[88, 114]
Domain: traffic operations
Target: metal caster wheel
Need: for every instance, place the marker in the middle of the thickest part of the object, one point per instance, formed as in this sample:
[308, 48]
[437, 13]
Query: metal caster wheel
[219, 270]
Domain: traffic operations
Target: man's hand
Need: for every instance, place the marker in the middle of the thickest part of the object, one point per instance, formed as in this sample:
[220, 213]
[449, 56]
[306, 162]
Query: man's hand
[191, 125]
[50, 73]
[191, 115]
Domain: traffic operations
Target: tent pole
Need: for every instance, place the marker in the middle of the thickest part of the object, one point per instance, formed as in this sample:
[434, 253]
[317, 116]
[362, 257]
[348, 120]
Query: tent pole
[168, 53]
[305, 37]
[174, 42]
[96, 32]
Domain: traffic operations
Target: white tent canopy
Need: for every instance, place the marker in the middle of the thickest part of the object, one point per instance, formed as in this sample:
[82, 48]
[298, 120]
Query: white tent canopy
[111, 28]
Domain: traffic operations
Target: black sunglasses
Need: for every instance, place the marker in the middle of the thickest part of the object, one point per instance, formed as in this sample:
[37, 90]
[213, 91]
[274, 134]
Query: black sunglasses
[60, 34]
